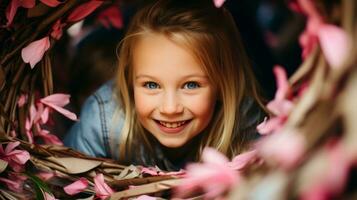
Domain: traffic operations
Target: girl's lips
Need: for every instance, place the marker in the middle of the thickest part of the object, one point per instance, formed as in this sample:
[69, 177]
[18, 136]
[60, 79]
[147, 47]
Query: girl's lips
[172, 130]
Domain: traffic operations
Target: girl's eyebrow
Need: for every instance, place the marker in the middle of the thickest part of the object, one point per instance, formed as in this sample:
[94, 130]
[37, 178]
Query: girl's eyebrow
[184, 77]
[143, 76]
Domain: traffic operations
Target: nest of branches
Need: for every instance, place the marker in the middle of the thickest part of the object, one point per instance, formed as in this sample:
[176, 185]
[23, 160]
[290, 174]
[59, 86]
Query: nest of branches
[310, 149]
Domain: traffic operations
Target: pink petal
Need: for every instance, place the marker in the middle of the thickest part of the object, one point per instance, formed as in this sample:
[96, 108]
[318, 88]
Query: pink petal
[45, 175]
[332, 178]
[34, 52]
[11, 146]
[22, 100]
[145, 197]
[335, 44]
[102, 190]
[293, 5]
[285, 148]
[50, 138]
[51, 3]
[56, 99]
[57, 29]
[213, 179]
[111, 16]
[270, 126]
[76, 187]
[29, 136]
[11, 11]
[12, 185]
[210, 155]
[280, 107]
[64, 112]
[20, 156]
[30, 120]
[173, 173]
[14, 5]
[242, 160]
[44, 115]
[218, 3]
[309, 8]
[282, 82]
[83, 10]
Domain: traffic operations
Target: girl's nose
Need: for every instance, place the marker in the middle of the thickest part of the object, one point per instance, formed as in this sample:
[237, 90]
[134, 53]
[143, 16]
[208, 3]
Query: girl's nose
[171, 104]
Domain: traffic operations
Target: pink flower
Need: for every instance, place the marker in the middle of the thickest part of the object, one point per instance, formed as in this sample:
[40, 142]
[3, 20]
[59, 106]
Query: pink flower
[218, 3]
[22, 100]
[39, 115]
[13, 6]
[280, 106]
[102, 190]
[83, 10]
[334, 41]
[76, 187]
[285, 148]
[15, 158]
[49, 138]
[111, 16]
[14, 181]
[51, 3]
[332, 177]
[12, 185]
[146, 197]
[213, 176]
[335, 44]
[34, 52]
[57, 29]
[242, 160]
[46, 175]
[157, 172]
[57, 102]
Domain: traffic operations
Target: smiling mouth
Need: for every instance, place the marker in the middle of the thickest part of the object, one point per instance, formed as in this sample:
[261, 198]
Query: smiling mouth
[172, 124]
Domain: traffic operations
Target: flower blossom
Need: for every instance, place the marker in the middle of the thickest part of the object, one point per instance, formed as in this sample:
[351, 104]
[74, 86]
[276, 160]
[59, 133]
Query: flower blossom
[280, 106]
[76, 187]
[102, 190]
[334, 41]
[15, 158]
[13, 6]
[34, 52]
[215, 175]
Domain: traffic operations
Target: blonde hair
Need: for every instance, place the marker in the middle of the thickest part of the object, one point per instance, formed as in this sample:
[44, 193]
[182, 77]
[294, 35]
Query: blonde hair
[212, 37]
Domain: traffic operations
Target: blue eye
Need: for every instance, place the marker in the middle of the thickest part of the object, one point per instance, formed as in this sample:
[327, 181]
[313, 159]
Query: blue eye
[191, 85]
[151, 85]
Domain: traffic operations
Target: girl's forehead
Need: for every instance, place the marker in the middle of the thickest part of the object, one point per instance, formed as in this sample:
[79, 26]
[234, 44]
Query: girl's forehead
[159, 55]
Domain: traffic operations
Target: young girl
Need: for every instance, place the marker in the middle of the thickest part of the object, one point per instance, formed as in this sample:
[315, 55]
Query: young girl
[184, 83]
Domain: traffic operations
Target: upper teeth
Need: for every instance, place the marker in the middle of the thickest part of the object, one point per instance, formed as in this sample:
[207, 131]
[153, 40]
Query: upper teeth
[172, 124]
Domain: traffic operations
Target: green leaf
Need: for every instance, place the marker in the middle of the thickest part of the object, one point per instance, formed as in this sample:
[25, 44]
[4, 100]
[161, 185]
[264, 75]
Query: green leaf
[40, 186]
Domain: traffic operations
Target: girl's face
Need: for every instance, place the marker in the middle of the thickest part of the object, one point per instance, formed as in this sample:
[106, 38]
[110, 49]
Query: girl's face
[174, 98]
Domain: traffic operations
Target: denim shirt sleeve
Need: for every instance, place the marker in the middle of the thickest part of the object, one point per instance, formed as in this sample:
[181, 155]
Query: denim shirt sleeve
[90, 135]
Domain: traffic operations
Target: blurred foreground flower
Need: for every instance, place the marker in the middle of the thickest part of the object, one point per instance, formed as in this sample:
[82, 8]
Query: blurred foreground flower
[215, 176]
[280, 106]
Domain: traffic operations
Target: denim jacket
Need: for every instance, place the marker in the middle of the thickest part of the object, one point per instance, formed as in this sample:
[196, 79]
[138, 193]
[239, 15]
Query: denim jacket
[96, 134]
[93, 133]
